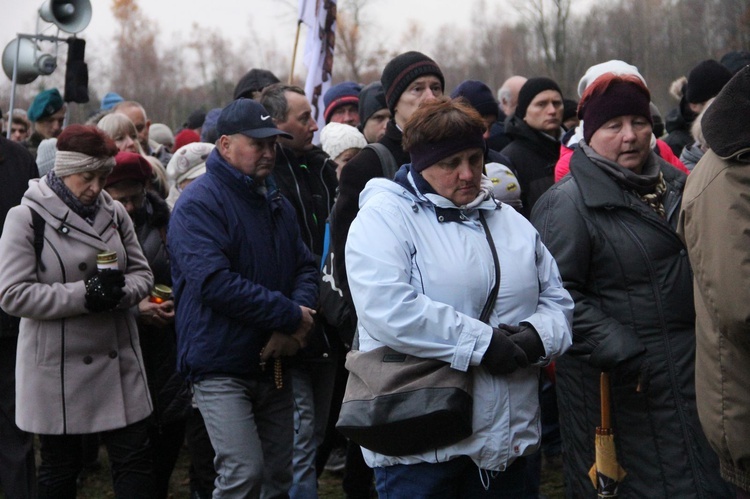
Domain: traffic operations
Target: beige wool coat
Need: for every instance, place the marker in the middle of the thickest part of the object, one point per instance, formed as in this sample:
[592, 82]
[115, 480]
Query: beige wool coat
[77, 371]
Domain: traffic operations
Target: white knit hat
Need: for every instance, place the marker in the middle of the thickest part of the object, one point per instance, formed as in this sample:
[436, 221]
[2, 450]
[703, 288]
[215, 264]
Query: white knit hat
[336, 138]
[614, 66]
[189, 161]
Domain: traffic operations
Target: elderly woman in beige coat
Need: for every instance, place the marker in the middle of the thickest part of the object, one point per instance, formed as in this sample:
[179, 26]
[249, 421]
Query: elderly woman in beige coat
[79, 364]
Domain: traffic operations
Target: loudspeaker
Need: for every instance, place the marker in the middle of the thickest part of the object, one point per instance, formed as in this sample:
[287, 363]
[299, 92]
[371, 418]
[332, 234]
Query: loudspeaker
[31, 62]
[76, 73]
[71, 16]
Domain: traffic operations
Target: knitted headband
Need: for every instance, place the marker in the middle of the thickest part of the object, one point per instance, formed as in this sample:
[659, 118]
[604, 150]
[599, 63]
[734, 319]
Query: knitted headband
[619, 99]
[425, 155]
[69, 162]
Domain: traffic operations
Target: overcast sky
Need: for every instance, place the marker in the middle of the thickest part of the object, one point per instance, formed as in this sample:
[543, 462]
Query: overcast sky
[273, 19]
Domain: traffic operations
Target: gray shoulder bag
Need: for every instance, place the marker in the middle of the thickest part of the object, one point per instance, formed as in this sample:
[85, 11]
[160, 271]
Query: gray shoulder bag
[397, 404]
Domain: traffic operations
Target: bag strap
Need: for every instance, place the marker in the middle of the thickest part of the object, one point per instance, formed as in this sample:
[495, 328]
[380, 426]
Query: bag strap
[485, 317]
[38, 223]
[387, 161]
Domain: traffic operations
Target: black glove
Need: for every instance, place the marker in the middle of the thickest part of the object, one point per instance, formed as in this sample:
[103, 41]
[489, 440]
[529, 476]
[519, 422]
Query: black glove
[503, 356]
[526, 337]
[104, 290]
[635, 370]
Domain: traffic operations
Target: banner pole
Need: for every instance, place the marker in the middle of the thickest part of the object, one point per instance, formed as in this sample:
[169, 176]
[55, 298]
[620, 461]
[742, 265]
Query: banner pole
[294, 54]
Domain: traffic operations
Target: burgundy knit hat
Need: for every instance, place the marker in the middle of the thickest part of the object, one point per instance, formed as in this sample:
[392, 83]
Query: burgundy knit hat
[618, 98]
[130, 166]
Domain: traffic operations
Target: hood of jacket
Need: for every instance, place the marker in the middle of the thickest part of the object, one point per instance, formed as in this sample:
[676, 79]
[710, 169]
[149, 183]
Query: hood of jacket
[725, 121]
[414, 188]
[679, 118]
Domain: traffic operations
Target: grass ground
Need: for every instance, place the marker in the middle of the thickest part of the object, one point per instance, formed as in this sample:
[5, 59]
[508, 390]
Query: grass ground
[97, 485]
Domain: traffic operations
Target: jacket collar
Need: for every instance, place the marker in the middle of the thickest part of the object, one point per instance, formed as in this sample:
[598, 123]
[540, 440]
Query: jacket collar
[234, 179]
[445, 210]
[599, 190]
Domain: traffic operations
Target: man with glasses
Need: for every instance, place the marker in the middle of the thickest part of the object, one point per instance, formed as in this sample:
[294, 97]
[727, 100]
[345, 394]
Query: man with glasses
[138, 116]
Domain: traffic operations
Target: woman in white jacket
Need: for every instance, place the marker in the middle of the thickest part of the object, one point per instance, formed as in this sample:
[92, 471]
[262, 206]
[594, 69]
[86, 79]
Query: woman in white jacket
[420, 270]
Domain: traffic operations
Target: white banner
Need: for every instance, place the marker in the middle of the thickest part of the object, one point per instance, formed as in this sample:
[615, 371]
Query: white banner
[320, 18]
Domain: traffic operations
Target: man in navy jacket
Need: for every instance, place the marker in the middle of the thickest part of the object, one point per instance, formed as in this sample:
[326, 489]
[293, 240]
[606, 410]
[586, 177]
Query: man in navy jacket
[245, 285]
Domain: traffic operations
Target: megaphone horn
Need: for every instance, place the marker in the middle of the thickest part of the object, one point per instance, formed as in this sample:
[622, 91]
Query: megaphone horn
[71, 16]
[31, 62]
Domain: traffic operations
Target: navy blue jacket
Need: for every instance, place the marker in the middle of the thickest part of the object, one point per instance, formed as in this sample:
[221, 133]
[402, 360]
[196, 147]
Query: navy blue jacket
[240, 271]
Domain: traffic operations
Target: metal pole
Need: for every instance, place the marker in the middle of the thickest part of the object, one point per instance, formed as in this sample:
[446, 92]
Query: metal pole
[13, 88]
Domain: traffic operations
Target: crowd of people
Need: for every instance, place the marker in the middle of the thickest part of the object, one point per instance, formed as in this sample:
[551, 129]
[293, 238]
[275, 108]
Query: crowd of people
[201, 287]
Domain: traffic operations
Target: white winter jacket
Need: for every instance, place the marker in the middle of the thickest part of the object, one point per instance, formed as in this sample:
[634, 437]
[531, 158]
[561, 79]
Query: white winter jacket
[420, 270]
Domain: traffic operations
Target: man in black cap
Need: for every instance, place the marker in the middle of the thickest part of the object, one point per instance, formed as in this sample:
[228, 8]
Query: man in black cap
[17, 474]
[408, 80]
[253, 82]
[244, 287]
[535, 127]
[374, 114]
[704, 82]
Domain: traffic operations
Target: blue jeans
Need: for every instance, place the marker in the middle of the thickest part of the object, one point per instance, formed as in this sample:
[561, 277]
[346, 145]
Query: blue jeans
[312, 383]
[457, 478]
[250, 424]
[129, 456]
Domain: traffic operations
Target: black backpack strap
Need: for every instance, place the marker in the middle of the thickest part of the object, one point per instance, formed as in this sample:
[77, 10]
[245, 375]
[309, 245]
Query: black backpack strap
[387, 161]
[38, 224]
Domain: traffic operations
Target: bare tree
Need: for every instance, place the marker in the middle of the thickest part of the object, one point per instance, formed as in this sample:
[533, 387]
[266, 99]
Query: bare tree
[550, 21]
[138, 73]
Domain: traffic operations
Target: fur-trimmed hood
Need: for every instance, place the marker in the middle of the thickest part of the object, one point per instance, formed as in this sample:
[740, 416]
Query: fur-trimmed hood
[724, 122]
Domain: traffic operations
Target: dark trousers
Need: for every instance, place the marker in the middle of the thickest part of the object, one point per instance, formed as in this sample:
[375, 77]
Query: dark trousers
[129, 456]
[166, 442]
[357, 481]
[455, 479]
[17, 469]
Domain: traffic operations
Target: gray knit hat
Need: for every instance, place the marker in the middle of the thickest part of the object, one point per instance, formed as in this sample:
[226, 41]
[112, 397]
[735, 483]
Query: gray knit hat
[45, 156]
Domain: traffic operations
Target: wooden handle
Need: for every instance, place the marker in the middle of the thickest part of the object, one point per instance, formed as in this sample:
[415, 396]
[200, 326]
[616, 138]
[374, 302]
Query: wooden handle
[604, 382]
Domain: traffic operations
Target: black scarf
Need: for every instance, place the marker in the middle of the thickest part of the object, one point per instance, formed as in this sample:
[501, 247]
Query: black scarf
[86, 212]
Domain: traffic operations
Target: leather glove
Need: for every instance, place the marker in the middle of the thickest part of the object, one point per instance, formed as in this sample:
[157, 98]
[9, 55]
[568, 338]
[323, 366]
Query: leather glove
[104, 290]
[526, 337]
[503, 356]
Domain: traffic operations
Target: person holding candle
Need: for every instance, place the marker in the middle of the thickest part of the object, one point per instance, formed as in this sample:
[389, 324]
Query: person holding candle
[79, 362]
[170, 393]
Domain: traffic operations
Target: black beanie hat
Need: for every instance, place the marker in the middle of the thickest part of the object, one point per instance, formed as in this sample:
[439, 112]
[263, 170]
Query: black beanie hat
[479, 95]
[254, 80]
[706, 80]
[735, 60]
[371, 100]
[532, 88]
[404, 69]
